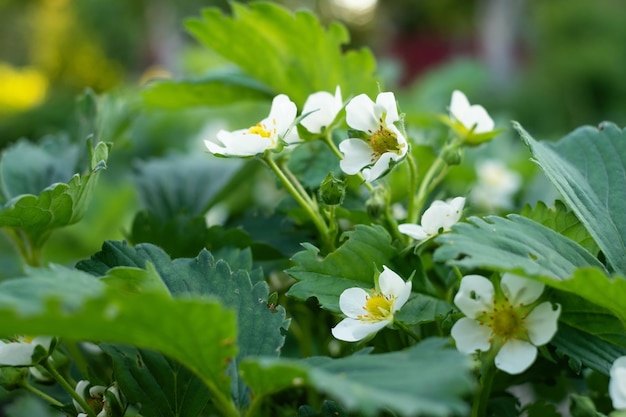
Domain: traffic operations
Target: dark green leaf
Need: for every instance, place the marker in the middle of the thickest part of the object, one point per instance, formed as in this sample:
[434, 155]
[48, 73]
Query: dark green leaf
[512, 244]
[423, 309]
[561, 220]
[354, 264]
[163, 387]
[426, 379]
[588, 168]
[311, 163]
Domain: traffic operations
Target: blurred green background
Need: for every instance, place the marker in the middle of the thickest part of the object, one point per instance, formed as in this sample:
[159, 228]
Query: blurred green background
[552, 65]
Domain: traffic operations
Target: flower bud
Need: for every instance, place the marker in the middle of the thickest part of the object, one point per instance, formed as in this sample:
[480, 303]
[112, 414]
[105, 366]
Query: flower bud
[332, 190]
[12, 377]
[452, 156]
[377, 203]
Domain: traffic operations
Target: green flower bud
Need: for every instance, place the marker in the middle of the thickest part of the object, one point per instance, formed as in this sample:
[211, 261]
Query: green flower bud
[332, 190]
[12, 377]
[377, 203]
[452, 156]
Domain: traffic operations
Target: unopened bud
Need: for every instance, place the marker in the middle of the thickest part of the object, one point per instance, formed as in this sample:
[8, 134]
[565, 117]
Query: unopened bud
[452, 156]
[12, 377]
[377, 203]
[332, 190]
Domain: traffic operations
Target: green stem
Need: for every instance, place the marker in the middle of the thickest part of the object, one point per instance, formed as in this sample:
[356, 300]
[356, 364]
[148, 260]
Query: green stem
[422, 193]
[329, 141]
[31, 255]
[413, 174]
[304, 201]
[42, 394]
[406, 330]
[255, 406]
[479, 407]
[68, 388]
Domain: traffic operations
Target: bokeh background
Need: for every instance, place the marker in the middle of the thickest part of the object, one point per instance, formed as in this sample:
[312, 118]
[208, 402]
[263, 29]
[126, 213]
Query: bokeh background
[552, 65]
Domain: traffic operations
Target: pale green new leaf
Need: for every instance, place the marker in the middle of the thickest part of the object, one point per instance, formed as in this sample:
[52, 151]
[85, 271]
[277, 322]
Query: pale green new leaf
[426, 379]
[289, 52]
[588, 168]
[353, 264]
[217, 89]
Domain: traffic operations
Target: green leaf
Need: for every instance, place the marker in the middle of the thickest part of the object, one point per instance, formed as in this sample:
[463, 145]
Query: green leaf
[163, 387]
[354, 264]
[561, 220]
[423, 308]
[196, 331]
[260, 329]
[181, 184]
[588, 167]
[34, 212]
[426, 379]
[514, 244]
[289, 52]
[217, 89]
[311, 162]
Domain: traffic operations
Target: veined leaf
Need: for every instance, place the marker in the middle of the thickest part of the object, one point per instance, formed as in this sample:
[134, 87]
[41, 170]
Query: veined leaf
[426, 379]
[513, 244]
[353, 264]
[59, 204]
[588, 168]
[289, 52]
[196, 331]
[259, 330]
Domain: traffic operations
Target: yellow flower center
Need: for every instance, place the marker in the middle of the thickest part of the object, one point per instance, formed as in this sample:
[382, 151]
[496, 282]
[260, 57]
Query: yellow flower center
[378, 307]
[260, 130]
[384, 140]
[507, 322]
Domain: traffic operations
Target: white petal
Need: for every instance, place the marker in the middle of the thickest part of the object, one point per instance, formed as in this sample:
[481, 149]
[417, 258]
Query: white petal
[470, 336]
[360, 114]
[282, 114]
[386, 102]
[515, 356]
[617, 383]
[380, 167]
[238, 143]
[16, 354]
[478, 118]
[458, 105]
[353, 330]
[542, 323]
[325, 107]
[81, 388]
[391, 284]
[519, 290]
[456, 209]
[352, 301]
[357, 155]
[413, 230]
[436, 216]
[475, 296]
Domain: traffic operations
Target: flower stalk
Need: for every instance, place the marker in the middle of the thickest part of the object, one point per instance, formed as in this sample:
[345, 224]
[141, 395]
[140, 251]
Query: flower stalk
[67, 387]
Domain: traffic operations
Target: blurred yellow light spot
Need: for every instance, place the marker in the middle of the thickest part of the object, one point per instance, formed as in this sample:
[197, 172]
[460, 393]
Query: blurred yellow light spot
[21, 89]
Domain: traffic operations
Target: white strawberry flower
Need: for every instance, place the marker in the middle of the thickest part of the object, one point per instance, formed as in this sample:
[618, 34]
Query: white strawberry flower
[384, 145]
[617, 383]
[25, 351]
[472, 123]
[322, 108]
[368, 313]
[441, 215]
[508, 321]
[267, 134]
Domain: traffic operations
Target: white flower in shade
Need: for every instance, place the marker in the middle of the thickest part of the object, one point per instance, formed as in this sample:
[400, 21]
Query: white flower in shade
[25, 351]
[323, 108]
[105, 401]
[385, 144]
[366, 312]
[508, 321]
[496, 185]
[617, 383]
[440, 215]
[267, 134]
